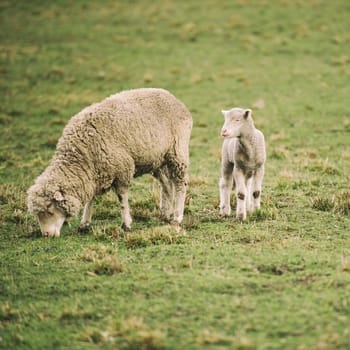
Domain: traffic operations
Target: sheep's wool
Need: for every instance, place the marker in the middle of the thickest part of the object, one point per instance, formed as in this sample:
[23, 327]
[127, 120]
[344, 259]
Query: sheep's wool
[109, 143]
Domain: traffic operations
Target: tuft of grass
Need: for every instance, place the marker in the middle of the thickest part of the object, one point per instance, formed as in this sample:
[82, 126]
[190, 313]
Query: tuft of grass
[208, 338]
[264, 213]
[165, 234]
[105, 260]
[136, 334]
[345, 264]
[338, 203]
[197, 180]
[8, 313]
[324, 167]
[108, 265]
[129, 333]
[75, 314]
[5, 119]
[51, 142]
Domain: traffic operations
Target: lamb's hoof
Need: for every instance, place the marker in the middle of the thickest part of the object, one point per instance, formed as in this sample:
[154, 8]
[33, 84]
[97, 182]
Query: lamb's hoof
[126, 228]
[240, 218]
[224, 213]
[84, 228]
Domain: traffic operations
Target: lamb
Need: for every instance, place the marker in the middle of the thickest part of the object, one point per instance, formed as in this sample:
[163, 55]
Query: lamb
[105, 146]
[243, 161]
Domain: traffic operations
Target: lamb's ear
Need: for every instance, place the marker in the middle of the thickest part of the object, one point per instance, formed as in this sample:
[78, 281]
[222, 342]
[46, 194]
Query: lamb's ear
[247, 113]
[224, 112]
[58, 196]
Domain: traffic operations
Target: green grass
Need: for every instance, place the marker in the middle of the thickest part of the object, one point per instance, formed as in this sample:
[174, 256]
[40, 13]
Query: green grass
[278, 281]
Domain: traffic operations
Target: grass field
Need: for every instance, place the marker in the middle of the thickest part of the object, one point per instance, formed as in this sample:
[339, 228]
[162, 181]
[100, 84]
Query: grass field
[281, 280]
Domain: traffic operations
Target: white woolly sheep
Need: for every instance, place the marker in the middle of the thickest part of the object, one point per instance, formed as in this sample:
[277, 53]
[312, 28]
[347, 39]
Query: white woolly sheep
[242, 164]
[105, 146]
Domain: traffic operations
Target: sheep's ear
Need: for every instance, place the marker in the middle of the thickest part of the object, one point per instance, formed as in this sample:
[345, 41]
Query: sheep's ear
[58, 196]
[247, 113]
[224, 112]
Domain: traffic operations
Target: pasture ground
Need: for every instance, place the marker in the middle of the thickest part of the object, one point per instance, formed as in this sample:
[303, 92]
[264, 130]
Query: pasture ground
[278, 281]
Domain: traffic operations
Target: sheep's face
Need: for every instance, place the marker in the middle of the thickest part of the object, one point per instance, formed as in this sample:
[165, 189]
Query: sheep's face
[51, 221]
[235, 121]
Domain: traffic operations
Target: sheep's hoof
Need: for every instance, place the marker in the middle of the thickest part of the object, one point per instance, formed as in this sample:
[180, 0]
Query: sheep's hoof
[51, 235]
[126, 228]
[175, 226]
[84, 228]
[165, 219]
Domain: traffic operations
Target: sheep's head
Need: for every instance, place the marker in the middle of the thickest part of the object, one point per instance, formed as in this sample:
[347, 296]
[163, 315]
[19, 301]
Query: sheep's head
[51, 208]
[45, 205]
[236, 120]
[52, 219]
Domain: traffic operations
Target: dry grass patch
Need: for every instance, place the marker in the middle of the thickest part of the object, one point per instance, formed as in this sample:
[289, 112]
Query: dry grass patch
[198, 180]
[166, 234]
[130, 333]
[105, 260]
[207, 338]
[338, 203]
[323, 167]
[277, 137]
[8, 313]
[344, 264]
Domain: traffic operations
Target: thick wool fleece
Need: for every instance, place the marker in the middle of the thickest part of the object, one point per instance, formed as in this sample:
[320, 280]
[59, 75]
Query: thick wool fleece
[108, 143]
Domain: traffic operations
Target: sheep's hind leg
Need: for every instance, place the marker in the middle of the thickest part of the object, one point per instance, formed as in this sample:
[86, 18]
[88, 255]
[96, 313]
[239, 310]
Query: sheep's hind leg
[166, 194]
[179, 178]
[85, 222]
[123, 196]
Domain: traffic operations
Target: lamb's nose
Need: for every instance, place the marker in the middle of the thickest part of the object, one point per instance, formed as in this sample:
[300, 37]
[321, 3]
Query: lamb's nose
[223, 132]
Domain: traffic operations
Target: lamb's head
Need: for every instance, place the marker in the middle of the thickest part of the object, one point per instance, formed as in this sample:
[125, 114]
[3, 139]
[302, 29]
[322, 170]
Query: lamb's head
[237, 120]
[51, 208]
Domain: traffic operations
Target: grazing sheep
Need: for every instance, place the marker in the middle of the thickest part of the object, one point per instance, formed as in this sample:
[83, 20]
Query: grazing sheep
[105, 146]
[242, 165]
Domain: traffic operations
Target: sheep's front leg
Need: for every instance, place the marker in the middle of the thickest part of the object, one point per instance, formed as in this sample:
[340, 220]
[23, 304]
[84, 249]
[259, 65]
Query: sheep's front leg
[225, 186]
[166, 194]
[241, 194]
[166, 200]
[86, 218]
[256, 187]
[123, 196]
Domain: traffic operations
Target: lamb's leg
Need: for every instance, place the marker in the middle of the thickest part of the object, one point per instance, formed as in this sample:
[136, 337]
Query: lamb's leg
[86, 218]
[225, 186]
[123, 196]
[256, 187]
[166, 194]
[249, 198]
[241, 194]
